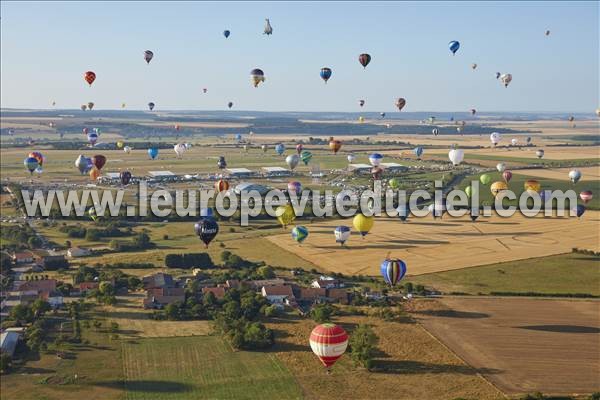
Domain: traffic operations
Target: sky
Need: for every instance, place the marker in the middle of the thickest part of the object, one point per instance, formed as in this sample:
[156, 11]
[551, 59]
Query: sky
[47, 46]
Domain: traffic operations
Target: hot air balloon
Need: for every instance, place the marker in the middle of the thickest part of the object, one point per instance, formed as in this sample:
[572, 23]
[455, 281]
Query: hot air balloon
[206, 229]
[400, 103]
[83, 107]
[245, 147]
[90, 105]
[120, 144]
[454, 46]
[268, 28]
[94, 173]
[361, 119]
[575, 175]
[85, 131]
[505, 79]
[328, 342]
[394, 183]
[539, 153]
[547, 33]
[469, 191]
[151, 106]
[418, 152]
[206, 212]
[179, 149]
[485, 179]
[351, 157]
[362, 224]
[375, 159]
[514, 141]
[495, 138]
[285, 215]
[498, 75]
[364, 59]
[123, 105]
[31, 163]
[335, 145]
[459, 129]
[292, 161]
[361, 102]
[435, 131]
[230, 104]
[264, 148]
[125, 177]
[579, 210]
[279, 149]
[507, 176]
[432, 120]
[299, 148]
[83, 164]
[392, 270]
[153, 152]
[598, 111]
[586, 196]
[325, 73]
[257, 76]
[92, 214]
[532, 184]
[473, 66]
[226, 33]
[98, 161]
[294, 187]
[456, 156]
[127, 149]
[148, 56]
[528, 139]
[498, 187]
[238, 137]
[501, 167]
[176, 126]
[299, 233]
[38, 156]
[221, 185]
[221, 163]
[342, 234]
[382, 114]
[376, 173]
[306, 156]
[89, 77]
[473, 111]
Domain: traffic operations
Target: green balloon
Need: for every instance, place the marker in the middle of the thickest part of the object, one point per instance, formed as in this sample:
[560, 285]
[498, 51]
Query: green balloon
[394, 183]
[468, 190]
[485, 179]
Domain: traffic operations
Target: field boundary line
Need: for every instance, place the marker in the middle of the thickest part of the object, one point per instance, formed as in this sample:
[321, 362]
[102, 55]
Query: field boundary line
[461, 359]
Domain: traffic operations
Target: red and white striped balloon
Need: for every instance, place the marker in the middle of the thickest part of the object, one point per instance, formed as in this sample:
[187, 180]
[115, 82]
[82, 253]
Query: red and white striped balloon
[586, 196]
[328, 342]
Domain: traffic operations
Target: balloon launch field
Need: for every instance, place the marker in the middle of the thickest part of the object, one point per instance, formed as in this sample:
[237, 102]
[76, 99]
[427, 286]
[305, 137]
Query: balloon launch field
[428, 245]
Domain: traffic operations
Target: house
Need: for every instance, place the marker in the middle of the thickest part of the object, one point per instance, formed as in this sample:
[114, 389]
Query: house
[218, 292]
[326, 282]
[233, 283]
[55, 298]
[311, 294]
[374, 295]
[158, 280]
[258, 284]
[75, 252]
[84, 287]
[9, 341]
[46, 258]
[41, 286]
[24, 257]
[161, 297]
[338, 295]
[277, 294]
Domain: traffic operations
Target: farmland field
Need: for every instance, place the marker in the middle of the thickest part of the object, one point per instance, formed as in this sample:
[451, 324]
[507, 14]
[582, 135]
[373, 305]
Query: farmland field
[530, 344]
[202, 368]
[560, 274]
[451, 243]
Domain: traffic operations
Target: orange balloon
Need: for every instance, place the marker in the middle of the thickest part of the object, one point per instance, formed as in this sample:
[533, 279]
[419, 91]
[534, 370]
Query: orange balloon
[221, 185]
[335, 145]
[94, 173]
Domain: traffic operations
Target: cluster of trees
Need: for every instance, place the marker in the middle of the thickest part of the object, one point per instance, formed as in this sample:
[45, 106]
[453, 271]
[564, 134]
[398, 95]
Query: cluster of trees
[239, 268]
[96, 233]
[22, 235]
[141, 241]
[189, 260]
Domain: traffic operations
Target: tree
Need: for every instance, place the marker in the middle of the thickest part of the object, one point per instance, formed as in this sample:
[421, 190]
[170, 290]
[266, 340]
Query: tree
[39, 307]
[5, 361]
[106, 289]
[142, 241]
[363, 343]
[21, 313]
[257, 336]
[321, 313]
[266, 272]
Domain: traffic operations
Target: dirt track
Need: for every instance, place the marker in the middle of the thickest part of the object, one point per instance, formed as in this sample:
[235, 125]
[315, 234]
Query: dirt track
[525, 345]
[451, 243]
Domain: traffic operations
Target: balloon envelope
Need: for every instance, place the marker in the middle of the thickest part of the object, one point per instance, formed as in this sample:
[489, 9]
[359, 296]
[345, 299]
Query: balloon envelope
[454, 46]
[392, 270]
[363, 224]
[206, 229]
[575, 175]
[299, 233]
[342, 233]
[98, 161]
[328, 342]
[153, 152]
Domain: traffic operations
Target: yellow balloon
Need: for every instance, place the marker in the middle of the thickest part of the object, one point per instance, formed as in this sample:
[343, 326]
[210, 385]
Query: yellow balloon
[285, 214]
[94, 173]
[498, 187]
[120, 144]
[363, 224]
[532, 184]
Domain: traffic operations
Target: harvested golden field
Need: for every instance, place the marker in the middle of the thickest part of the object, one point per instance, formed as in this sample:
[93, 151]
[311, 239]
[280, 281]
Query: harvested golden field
[409, 364]
[590, 174]
[527, 344]
[551, 153]
[428, 245]
[134, 322]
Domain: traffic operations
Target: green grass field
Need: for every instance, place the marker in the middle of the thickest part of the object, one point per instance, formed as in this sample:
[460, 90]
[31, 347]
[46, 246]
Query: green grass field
[202, 368]
[566, 273]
